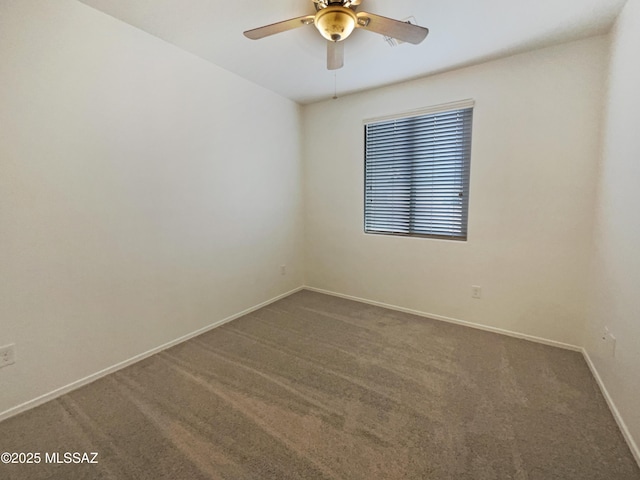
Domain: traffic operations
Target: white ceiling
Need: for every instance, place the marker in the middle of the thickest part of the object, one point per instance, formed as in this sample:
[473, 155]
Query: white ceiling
[293, 64]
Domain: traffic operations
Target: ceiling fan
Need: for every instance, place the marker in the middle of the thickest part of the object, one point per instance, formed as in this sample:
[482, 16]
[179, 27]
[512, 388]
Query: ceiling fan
[336, 20]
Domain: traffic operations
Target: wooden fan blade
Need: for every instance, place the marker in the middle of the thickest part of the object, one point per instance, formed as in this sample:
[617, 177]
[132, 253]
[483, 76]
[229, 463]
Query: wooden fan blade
[335, 55]
[355, 4]
[279, 27]
[392, 28]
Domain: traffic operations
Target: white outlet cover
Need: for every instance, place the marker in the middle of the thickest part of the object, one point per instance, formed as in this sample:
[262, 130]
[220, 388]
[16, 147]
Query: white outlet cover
[611, 345]
[7, 355]
[607, 344]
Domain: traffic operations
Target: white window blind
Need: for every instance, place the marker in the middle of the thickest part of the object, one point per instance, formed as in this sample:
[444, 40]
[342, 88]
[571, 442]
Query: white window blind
[417, 174]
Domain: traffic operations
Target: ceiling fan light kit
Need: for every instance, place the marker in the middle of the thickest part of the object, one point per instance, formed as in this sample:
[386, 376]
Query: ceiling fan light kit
[336, 20]
[335, 23]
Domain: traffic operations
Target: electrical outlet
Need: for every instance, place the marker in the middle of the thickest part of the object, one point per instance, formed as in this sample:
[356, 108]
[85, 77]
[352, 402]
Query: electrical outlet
[608, 343]
[7, 355]
[283, 269]
[476, 291]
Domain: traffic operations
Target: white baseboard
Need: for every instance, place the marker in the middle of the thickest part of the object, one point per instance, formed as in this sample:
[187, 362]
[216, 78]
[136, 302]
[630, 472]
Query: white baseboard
[119, 366]
[612, 407]
[114, 368]
[441, 318]
[633, 446]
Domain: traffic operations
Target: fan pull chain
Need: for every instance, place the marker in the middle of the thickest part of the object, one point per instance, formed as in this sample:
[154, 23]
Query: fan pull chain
[335, 86]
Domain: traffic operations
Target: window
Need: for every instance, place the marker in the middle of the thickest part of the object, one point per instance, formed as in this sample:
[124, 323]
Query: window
[417, 173]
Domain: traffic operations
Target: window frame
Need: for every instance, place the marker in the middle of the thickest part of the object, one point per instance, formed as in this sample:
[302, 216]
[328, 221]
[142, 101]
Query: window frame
[423, 112]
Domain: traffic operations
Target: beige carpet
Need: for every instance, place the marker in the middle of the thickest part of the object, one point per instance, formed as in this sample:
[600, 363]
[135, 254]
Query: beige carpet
[317, 387]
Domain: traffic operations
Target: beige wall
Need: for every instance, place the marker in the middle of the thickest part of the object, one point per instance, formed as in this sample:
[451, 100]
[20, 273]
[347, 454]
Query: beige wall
[144, 194]
[533, 174]
[614, 301]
